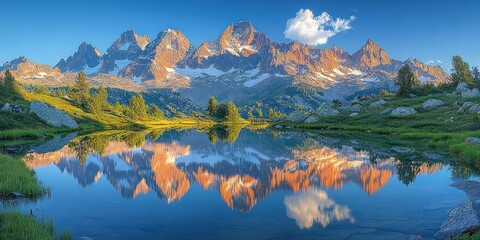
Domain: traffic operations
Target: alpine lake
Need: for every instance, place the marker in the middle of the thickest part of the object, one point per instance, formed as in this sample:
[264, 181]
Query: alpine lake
[234, 183]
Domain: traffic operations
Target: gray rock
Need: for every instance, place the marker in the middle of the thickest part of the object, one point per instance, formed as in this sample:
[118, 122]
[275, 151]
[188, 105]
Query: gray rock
[456, 105]
[450, 119]
[277, 126]
[432, 104]
[55, 144]
[403, 111]
[386, 111]
[461, 110]
[295, 117]
[474, 109]
[464, 216]
[326, 110]
[471, 188]
[461, 87]
[472, 93]
[473, 140]
[412, 95]
[354, 114]
[6, 108]
[467, 104]
[52, 116]
[376, 104]
[311, 119]
[356, 108]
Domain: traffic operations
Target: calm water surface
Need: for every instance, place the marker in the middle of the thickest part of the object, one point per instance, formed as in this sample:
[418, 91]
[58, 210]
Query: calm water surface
[240, 185]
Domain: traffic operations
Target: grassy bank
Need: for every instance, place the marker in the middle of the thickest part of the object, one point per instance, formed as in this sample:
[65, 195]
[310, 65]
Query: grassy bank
[15, 225]
[442, 128]
[16, 177]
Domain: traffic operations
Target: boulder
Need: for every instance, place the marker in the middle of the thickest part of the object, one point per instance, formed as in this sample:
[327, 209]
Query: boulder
[356, 108]
[461, 87]
[461, 218]
[432, 104]
[467, 104]
[472, 93]
[311, 119]
[6, 108]
[295, 117]
[474, 109]
[450, 120]
[470, 187]
[456, 105]
[354, 114]
[376, 104]
[402, 111]
[52, 116]
[473, 140]
[386, 111]
[326, 110]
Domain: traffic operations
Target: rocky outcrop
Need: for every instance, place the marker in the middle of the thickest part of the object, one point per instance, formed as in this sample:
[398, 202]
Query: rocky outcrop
[52, 116]
[326, 110]
[295, 117]
[311, 119]
[432, 104]
[470, 93]
[402, 111]
[465, 216]
[470, 187]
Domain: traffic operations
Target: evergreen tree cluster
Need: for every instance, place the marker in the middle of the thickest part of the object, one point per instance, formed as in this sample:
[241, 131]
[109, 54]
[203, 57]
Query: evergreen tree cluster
[461, 72]
[224, 112]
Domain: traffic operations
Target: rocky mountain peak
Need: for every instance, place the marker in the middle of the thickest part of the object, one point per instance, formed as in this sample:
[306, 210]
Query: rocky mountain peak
[86, 56]
[130, 39]
[371, 55]
[13, 64]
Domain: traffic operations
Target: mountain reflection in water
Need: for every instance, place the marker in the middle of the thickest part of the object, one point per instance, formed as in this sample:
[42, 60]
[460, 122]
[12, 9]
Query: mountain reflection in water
[242, 171]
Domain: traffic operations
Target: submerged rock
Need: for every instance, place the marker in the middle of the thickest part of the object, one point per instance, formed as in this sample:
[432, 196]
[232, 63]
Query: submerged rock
[52, 116]
[432, 104]
[403, 111]
[461, 218]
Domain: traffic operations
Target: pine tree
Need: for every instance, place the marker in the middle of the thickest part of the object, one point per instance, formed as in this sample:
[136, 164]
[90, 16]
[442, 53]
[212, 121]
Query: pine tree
[136, 107]
[461, 70]
[476, 75]
[103, 98]
[94, 105]
[154, 111]
[221, 111]
[250, 115]
[212, 107]
[260, 113]
[232, 113]
[80, 92]
[407, 80]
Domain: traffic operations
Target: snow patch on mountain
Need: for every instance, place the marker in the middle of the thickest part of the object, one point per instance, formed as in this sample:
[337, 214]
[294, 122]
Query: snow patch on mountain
[88, 70]
[198, 72]
[253, 82]
[119, 65]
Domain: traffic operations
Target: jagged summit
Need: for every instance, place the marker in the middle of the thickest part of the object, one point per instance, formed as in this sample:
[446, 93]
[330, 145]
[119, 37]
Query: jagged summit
[86, 57]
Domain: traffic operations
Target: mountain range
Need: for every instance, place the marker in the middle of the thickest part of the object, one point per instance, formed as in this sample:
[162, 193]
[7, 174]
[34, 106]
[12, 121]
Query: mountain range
[242, 65]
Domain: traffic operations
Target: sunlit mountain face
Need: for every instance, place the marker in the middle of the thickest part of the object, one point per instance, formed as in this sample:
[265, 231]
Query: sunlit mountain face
[244, 167]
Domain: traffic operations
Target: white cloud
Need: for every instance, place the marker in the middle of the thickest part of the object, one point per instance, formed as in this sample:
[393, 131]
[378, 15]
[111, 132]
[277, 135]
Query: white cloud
[315, 30]
[314, 206]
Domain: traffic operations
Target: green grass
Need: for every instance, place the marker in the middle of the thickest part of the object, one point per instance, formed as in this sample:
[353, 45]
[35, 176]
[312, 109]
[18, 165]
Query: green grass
[15, 225]
[475, 236]
[425, 127]
[16, 177]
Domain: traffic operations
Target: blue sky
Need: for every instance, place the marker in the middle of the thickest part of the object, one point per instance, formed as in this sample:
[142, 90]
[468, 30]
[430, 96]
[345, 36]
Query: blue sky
[430, 30]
